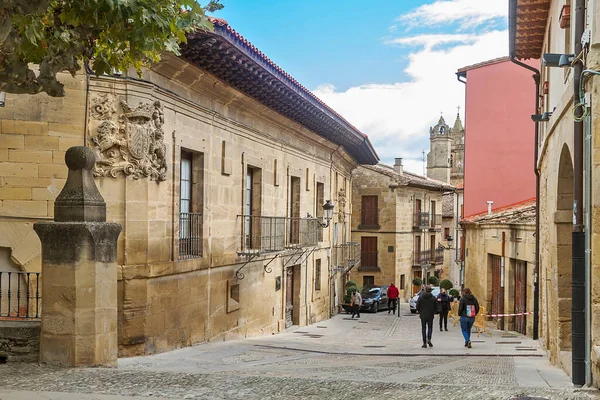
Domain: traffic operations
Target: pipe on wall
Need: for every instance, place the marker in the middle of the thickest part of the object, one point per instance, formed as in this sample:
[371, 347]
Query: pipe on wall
[512, 29]
[578, 236]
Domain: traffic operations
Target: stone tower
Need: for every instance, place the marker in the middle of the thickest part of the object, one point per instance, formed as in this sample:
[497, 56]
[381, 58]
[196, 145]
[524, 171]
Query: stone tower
[438, 158]
[446, 157]
[457, 152]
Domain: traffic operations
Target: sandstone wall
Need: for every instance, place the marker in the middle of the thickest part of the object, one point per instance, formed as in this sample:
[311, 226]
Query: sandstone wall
[396, 215]
[484, 240]
[166, 302]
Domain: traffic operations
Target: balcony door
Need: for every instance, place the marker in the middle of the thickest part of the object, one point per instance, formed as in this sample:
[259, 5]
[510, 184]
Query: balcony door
[368, 250]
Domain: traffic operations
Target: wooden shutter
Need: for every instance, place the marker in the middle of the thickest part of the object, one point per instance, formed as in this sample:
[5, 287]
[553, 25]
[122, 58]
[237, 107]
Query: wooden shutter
[369, 211]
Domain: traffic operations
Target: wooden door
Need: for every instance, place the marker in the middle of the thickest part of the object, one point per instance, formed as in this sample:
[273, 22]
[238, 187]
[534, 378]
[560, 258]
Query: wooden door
[417, 215]
[497, 289]
[417, 274]
[432, 248]
[289, 298]
[520, 296]
[368, 251]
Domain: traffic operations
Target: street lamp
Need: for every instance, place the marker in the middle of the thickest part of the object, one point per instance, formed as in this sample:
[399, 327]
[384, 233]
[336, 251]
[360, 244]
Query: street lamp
[327, 213]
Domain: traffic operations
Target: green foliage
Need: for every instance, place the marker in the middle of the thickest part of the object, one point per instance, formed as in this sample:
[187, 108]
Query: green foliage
[58, 35]
[350, 287]
[417, 281]
[446, 284]
[453, 293]
[433, 281]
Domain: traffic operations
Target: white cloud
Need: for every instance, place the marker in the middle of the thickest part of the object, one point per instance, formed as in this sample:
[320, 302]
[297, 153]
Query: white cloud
[470, 13]
[430, 41]
[397, 116]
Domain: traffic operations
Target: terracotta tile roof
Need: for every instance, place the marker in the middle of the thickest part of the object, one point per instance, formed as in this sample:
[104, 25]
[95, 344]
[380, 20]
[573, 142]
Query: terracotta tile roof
[527, 27]
[410, 179]
[484, 63]
[520, 213]
[233, 59]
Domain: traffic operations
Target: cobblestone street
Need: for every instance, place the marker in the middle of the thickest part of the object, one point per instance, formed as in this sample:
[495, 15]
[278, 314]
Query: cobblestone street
[378, 355]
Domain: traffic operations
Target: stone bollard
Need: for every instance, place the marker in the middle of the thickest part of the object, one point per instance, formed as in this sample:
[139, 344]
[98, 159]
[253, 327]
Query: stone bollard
[79, 272]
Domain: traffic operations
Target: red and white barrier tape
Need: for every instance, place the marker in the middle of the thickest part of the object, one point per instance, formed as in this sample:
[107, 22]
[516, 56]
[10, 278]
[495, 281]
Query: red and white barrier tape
[509, 315]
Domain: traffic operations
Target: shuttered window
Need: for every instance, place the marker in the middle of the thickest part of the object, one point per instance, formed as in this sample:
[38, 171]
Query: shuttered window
[369, 211]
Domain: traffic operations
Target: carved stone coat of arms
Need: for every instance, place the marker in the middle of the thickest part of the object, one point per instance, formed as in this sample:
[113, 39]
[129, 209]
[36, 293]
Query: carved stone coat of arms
[132, 145]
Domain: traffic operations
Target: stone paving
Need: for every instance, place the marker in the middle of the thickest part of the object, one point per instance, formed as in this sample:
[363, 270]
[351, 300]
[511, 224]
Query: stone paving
[378, 355]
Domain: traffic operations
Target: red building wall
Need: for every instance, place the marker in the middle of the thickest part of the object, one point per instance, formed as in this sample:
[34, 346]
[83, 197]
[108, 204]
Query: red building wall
[499, 136]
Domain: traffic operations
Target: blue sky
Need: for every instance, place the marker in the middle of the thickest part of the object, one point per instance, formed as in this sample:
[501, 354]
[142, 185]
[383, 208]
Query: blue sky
[387, 68]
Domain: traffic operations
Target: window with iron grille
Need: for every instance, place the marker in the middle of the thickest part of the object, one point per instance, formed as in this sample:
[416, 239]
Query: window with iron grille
[369, 211]
[402, 281]
[446, 233]
[318, 274]
[190, 205]
[320, 200]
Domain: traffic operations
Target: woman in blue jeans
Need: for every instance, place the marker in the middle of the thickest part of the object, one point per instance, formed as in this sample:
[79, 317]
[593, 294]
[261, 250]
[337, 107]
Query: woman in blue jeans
[468, 308]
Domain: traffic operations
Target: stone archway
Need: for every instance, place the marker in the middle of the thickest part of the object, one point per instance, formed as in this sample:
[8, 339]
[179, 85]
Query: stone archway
[563, 222]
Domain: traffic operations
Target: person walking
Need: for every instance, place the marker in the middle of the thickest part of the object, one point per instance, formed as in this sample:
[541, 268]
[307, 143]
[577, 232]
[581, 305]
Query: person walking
[357, 301]
[426, 308]
[444, 301]
[468, 308]
[392, 294]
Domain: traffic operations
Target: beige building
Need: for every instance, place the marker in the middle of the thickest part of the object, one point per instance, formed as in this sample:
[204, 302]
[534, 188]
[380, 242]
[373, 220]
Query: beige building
[568, 175]
[397, 219]
[217, 165]
[500, 253]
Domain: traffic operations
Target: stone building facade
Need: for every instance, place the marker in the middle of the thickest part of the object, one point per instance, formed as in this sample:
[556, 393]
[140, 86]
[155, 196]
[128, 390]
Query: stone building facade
[217, 165]
[551, 27]
[397, 219]
[499, 263]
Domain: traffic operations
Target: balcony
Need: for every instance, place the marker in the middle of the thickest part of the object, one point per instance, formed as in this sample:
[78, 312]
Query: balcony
[368, 261]
[261, 234]
[438, 256]
[421, 257]
[190, 235]
[435, 221]
[304, 232]
[346, 256]
[420, 220]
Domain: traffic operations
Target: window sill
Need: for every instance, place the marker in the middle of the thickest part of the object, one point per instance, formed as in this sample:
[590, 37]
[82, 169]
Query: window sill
[365, 268]
[361, 226]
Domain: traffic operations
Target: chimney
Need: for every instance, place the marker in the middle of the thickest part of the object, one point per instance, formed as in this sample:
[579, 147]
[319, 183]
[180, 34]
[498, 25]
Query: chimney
[489, 203]
[398, 165]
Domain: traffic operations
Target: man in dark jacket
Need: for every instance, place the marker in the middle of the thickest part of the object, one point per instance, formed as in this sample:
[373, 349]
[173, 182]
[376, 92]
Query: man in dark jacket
[392, 294]
[444, 301]
[426, 309]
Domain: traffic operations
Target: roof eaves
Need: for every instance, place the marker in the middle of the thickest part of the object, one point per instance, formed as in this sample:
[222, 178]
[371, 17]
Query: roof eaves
[358, 144]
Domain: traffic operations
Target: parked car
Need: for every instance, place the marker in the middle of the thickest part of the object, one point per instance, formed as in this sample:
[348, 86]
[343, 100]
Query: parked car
[435, 290]
[374, 298]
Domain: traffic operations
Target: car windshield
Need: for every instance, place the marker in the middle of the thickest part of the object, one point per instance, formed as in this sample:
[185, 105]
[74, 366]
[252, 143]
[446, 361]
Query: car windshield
[370, 292]
[434, 291]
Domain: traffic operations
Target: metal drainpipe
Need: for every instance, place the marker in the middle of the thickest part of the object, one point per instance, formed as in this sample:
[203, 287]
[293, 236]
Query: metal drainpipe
[578, 241]
[512, 17]
[588, 224]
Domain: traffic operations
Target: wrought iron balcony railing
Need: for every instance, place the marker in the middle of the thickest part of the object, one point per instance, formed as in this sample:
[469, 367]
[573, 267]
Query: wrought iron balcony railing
[263, 234]
[346, 256]
[20, 295]
[190, 235]
[438, 256]
[421, 220]
[421, 257]
[435, 221]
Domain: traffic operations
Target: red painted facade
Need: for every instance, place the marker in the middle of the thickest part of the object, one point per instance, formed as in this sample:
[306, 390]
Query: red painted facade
[499, 135]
